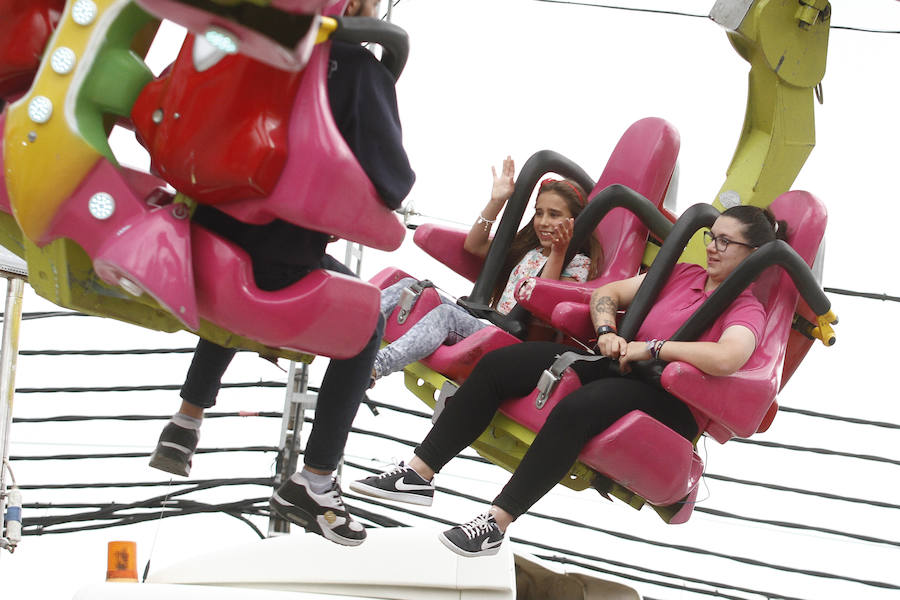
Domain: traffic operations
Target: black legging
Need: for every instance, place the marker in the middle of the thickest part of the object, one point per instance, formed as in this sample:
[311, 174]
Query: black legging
[513, 372]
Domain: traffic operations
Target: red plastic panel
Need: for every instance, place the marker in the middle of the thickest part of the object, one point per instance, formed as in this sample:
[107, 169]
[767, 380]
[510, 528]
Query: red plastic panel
[209, 142]
[646, 457]
[25, 28]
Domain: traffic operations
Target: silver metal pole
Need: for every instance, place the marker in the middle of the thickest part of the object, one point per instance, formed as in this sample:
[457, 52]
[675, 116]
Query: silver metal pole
[9, 352]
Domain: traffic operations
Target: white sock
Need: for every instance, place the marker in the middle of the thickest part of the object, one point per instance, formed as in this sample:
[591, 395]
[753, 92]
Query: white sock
[186, 421]
[317, 483]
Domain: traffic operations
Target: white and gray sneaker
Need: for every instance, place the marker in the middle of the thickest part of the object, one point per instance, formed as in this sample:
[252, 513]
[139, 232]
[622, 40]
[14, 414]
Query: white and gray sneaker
[323, 513]
[479, 537]
[401, 484]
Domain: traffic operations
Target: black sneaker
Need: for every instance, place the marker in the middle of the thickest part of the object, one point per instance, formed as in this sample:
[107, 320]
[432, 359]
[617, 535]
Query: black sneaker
[479, 537]
[174, 450]
[401, 484]
[324, 514]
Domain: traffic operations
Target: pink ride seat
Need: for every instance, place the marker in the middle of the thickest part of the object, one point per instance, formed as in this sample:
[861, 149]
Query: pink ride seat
[321, 187]
[324, 313]
[643, 160]
[650, 459]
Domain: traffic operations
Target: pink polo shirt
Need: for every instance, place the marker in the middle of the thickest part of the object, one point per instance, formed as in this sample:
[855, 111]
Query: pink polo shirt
[683, 294]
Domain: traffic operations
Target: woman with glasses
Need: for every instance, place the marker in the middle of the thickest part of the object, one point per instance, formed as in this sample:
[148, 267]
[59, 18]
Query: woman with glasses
[605, 395]
[538, 248]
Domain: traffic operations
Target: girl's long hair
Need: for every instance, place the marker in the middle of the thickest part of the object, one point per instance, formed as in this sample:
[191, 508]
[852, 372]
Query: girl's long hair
[526, 239]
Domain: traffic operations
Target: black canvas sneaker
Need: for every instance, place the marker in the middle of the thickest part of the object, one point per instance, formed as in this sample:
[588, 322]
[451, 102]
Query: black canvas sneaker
[479, 537]
[174, 450]
[324, 513]
[401, 484]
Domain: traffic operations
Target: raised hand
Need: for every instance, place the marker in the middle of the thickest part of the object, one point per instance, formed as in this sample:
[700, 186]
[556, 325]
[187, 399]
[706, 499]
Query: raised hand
[562, 235]
[504, 183]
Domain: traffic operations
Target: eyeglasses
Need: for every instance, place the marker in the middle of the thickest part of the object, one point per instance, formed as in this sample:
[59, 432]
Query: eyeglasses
[721, 242]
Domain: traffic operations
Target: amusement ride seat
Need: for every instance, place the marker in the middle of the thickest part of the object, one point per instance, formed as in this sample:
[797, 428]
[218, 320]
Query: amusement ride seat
[643, 161]
[93, 218]
[638, 459]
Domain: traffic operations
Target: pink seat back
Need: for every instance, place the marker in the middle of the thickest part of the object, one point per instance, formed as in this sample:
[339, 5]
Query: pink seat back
[643, 160]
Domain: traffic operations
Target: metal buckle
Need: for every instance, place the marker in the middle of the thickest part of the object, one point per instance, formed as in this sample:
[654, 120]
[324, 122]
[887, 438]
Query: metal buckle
[546, 384]
[408, 297]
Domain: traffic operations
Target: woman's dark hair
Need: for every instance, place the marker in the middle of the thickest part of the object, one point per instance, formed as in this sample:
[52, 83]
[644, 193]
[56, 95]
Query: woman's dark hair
[527, 239]
[760, 225]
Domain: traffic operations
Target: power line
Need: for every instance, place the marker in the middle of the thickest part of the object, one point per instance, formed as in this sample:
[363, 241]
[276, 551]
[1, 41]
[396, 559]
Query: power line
[138, 454]
[823, 451]
[694, 15]
[781, 488]
[855, 421]
[871, 295]
[267, 481]
[133, 351]
[140, 388]
[79, 418]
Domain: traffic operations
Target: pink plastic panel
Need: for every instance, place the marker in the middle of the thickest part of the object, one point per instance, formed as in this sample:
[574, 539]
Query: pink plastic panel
[524, 411]
[74, 220]
[322, 186]
[646, 457]
[387, 277]
[738, 404]
[324, 313]
[250, 42]
[643, 160]
[154, 249]
[446, 245]
[687, 508]
[335, 8]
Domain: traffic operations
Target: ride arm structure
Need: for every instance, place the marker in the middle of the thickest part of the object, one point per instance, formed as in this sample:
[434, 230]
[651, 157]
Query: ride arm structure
[786, 44]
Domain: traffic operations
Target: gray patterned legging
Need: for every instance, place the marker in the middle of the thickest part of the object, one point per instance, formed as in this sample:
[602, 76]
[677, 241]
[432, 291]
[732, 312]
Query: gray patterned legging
[447, 323]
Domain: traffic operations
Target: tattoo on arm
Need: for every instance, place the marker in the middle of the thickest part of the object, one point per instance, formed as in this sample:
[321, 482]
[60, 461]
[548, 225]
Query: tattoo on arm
[603, 310]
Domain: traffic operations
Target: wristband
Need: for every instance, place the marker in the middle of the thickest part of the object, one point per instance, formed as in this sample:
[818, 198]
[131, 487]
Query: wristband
[654, 346]
[604, 329]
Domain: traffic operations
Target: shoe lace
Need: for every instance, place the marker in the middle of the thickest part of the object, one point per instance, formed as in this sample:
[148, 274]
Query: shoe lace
[397, 470]
[477, 526]
[334, 494]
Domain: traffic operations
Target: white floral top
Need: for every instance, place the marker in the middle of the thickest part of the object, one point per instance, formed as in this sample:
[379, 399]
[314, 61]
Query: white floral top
[529, 266]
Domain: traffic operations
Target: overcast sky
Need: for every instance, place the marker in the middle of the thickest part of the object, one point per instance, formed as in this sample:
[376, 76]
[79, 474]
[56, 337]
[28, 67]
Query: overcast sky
[491, 78]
